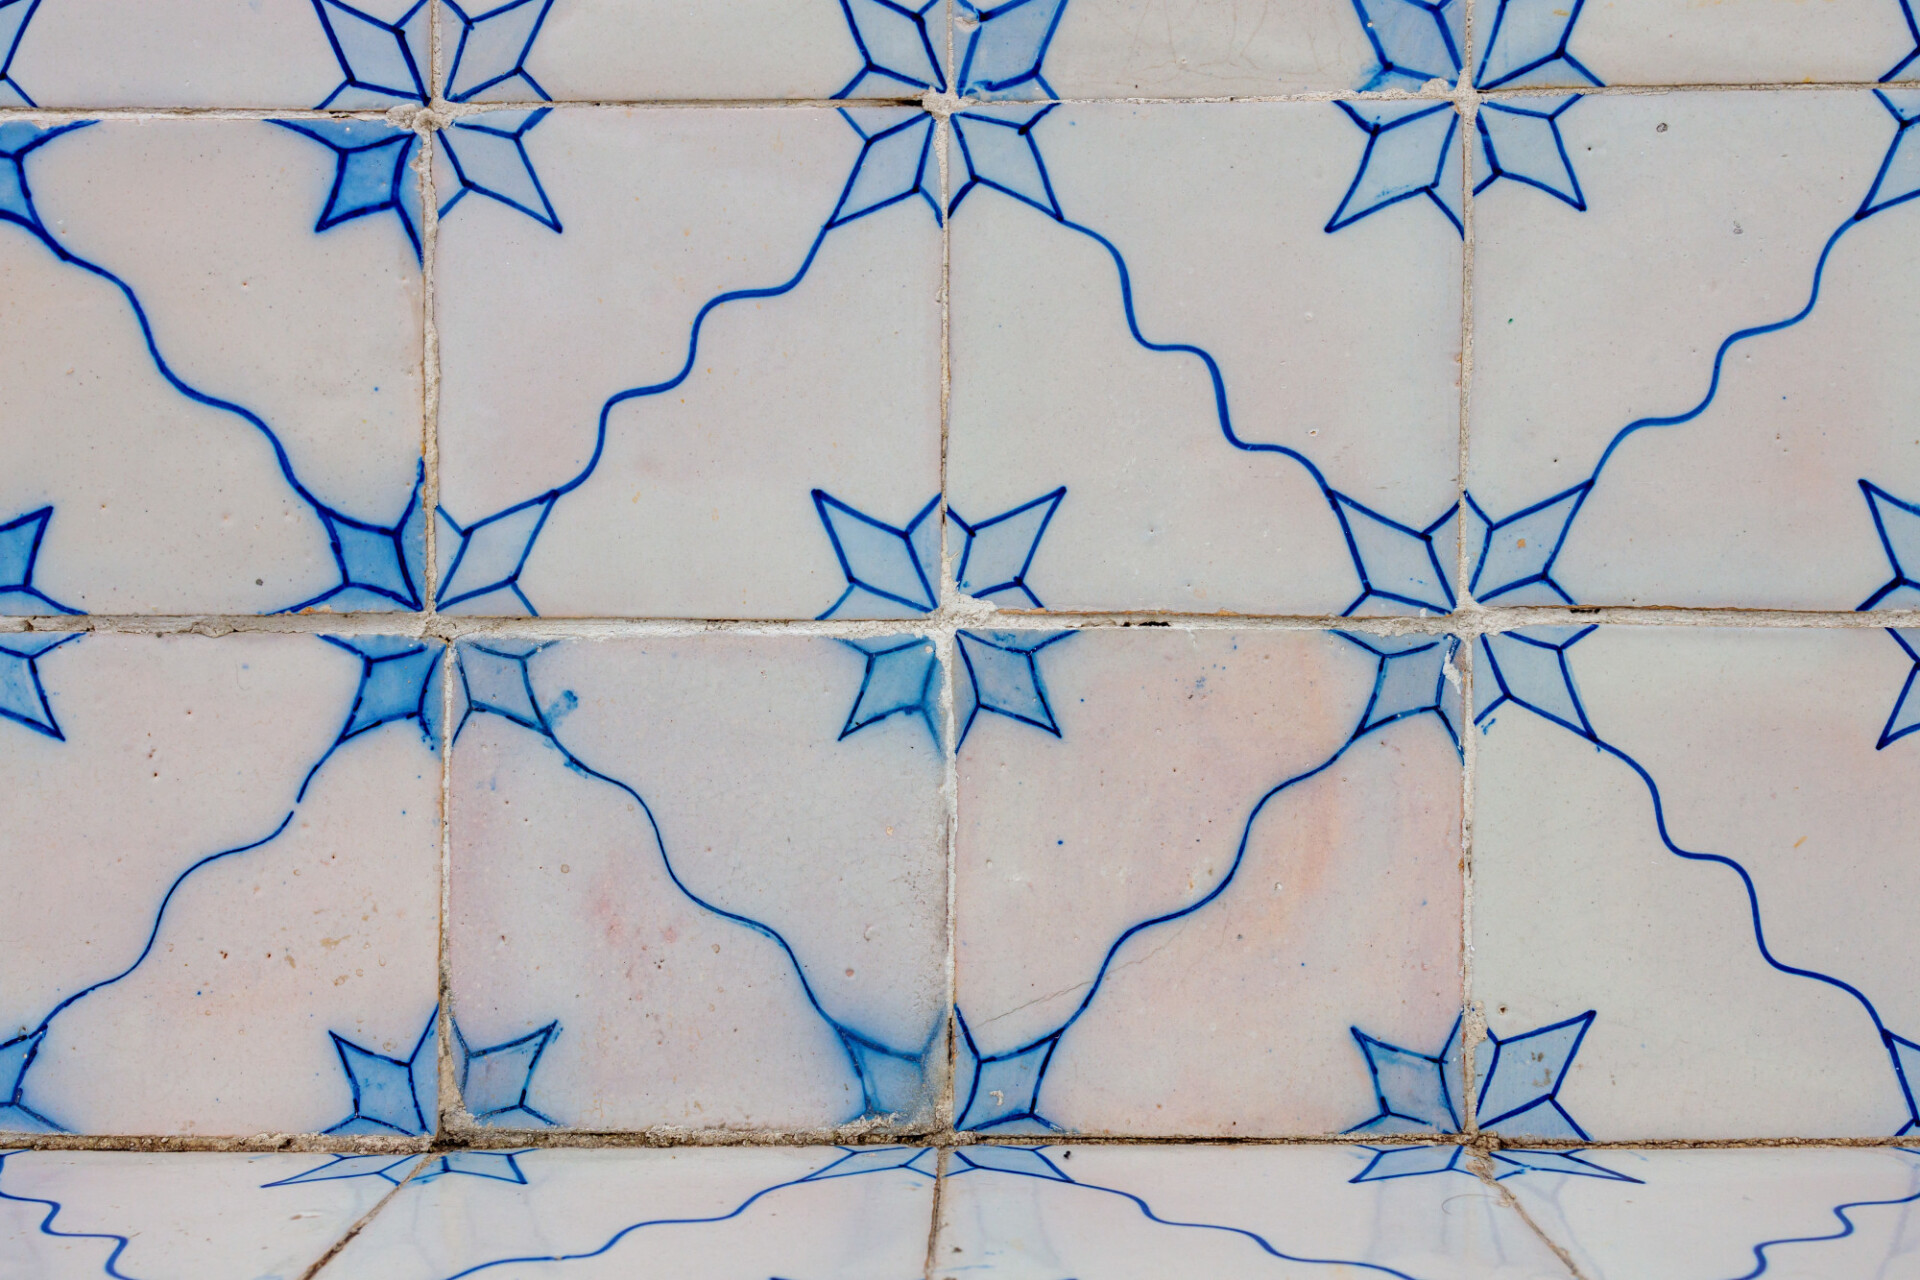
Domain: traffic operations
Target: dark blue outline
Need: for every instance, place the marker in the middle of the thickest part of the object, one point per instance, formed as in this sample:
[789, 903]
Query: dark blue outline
[110, 1267]
[1913, 30]
[970, 532]
[46, 724]
[357, 1116]
[404, 141]
[397, 30]
[1362, 730]
[1888, 735]
[331, 518]
[1009, 642]
[1551, 1098]
[1022, 129]
[1878, 499]
[823, 502]
[852, 1041]
[1846, 1229]
[1496, 171]
[544, 1035]
[1342, 219]
[1030, 75]
[517, 135]
[1557, 54]
[1888, 1039]
[871, 68]
[318, 1172]
[818, 1175]
[1389, 70]
[519, 67]
[929, 688]
[20, 33]
[1450, 1048]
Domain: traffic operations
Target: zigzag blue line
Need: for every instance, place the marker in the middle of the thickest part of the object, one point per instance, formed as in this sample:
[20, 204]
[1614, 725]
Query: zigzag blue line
[110, 1267]
[1148, 1212]
[628, 1230]
[1846, 1229]
[844, 1032]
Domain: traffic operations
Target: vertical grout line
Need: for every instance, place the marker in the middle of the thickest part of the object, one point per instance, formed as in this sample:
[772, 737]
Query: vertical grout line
[941, 1156]
[1472, 1023]
[1511, 1201]
[360, 1224]
[945, 646]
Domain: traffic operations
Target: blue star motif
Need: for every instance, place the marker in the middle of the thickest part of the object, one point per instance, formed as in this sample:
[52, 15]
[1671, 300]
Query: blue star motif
[892, 1083]
[891, 572]
[396, 683]
[1528, 45]
[895, 45]
[1523, 143]
[1410, 152]
[386, 63]
[1413, 41]
[1520, 1084]
[16, 1056]
[1416, 1092]
[1026, 1161]
[1396, 563]
[1007, 46]
[23, 699]
[490, 53]
[1913, 30]
[996, 554]
[494, 680]
[14, 17]
[998, 151]
[1388, 1163]
[488, 556]
[392, 1095]
[1906, 708]
[388, 1168]
[494, 1080]
[900, 679]
[1003, 676]
[897, 162]
[1000, 1092]
[1513, 557]
[1412, 680]
[20, 540]
[1530, 669]
[380, 565]
[17, 140]
[859, 1160]
[500, 1166]
[1898, 524]
[1899, 177]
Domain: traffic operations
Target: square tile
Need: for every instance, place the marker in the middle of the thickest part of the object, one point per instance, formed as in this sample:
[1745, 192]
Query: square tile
[708, 337]
[1237, 383]
[1693, 868]
[225, 885]
[77, 1215]
[1207, 881]
[1690, 384]
[1796, 1213]
[734, 918]
[210, 405]
[740, 1214]
[1238, 1212]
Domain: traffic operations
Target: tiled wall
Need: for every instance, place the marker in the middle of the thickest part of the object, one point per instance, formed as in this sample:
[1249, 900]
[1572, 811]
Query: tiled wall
[943, 581]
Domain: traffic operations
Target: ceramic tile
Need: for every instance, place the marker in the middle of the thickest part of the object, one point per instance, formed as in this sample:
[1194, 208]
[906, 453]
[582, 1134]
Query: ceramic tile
[1692, 869]
[1176, 839]
[1797, 1214]
[734, 918]
[692, 397]
[1689, 380]
[725, 1214]
[1119, 1212]
[1238, 382]
[1636, 42]
[73, 1215]
[210, 406]
[223, 892]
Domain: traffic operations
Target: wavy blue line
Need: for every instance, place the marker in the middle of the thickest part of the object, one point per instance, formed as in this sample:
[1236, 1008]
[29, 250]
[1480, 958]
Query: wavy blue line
[1846, 1229]
[54, 1207]
[844, 1032]
[1147, 1211]
[628, 1230]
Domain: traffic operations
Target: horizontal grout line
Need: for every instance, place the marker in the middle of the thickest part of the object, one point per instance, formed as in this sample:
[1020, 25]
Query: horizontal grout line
[439, 112]
[1470, 621]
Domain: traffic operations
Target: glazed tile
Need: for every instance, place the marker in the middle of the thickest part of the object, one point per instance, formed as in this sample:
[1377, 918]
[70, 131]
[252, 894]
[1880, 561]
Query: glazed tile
[206, 405]
[1692, 869]
[1240, 377]
[701, 339]
[1794, 1214]
[224, 887]
[1120, 1212]
[719, 1213]
[733, 917]
[73, 1215]
[1690, 385]
[1207, 882]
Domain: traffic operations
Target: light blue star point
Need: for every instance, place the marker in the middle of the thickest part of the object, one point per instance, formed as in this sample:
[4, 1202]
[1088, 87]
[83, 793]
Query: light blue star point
[1898, 525]
[388, 1168]
[494, 680]
[372, 174]
[1002, 676]
[1400, 566]
[1007, 46]
[1905, 717]
[1413, 41]
[896, 47]
[998, 151]
[14, 17]
[896, 162]
[495, 1079]
[1412, 150]
[1528, 46]
[1521, 141]
[489, 58]
[20, 542]
[397, 682]
[1513, 557]
[382, 61]
[892, 1083]
[891, 571]
[900, 679]
[1415, 1092]
[392, 1095]
[1001, 1092]
[996, 555]
[1529, 668]
[487, 155]
[23, 698]
[486, 558]
[1416, 675]
[1898, 179]
[18, 140]
[1520, 1083]
[16, 1057]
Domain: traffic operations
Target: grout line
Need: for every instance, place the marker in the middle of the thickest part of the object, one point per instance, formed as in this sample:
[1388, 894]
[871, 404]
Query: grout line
[443, 111]
[362, 1223]
[1484, 1171]
[939, 1206]
[1472, 1027]
[945, 647]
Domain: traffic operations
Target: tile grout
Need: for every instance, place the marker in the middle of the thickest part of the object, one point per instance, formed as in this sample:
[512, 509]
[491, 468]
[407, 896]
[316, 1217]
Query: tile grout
[1471, 1025]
